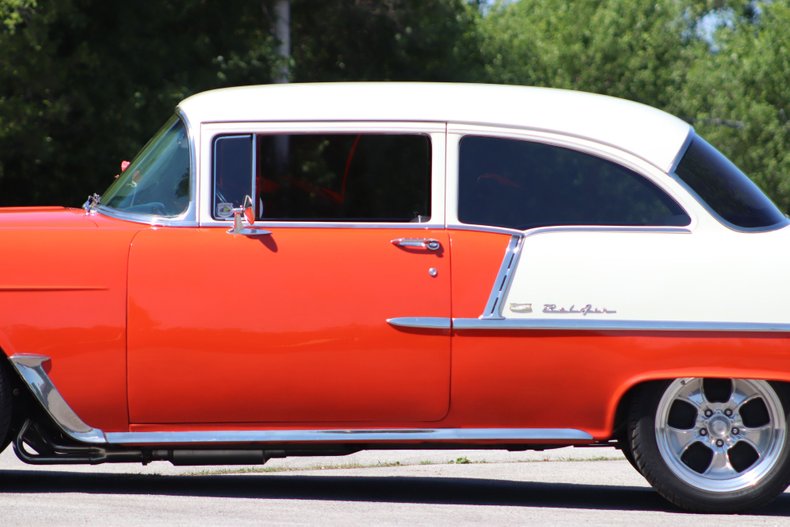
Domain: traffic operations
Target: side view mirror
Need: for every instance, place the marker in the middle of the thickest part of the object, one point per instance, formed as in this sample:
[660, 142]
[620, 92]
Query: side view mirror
[245, 226]
[249, 212]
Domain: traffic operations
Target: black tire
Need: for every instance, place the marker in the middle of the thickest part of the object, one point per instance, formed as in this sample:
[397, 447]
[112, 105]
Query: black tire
[685, 434]
[6, 406]
[625, 448]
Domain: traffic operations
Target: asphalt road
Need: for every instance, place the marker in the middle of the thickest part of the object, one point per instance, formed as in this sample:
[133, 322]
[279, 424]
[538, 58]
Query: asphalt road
[562, 487]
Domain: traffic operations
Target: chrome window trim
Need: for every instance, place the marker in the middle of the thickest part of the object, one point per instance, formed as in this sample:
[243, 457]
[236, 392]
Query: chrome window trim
[332, 225]
[188, 218]
[484, 228]
[655, 174]
[436, 132]
[682, 152]
[31, 369]
[155, 221]
[511, 324]
[213, 175]
[571, 228]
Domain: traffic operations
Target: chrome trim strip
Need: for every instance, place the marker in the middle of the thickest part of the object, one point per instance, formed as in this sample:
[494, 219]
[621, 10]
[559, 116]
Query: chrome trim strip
[682, 152]
[270, 224]
[605, 228]
[471, 324]
[460, 435]
[483, 228]
[560, 228]
[31, 369]
[504, 278]
[421, 322]
[439, 226]
[182, 220]
[214, 158]
[48, 288]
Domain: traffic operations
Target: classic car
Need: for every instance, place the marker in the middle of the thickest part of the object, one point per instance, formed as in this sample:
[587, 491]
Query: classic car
[324, 268]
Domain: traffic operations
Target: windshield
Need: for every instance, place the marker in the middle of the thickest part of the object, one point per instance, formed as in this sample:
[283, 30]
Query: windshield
[727, 191]
[157, 182]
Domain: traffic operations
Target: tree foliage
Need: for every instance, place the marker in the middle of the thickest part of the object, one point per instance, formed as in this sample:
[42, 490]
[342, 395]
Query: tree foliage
[720, 64]
[628, 49]
[83, 83]
[739, 96]
[428, 40]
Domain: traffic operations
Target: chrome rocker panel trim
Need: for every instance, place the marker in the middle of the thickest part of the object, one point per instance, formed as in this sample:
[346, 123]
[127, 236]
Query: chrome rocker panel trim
[31, 369]
[457, 435]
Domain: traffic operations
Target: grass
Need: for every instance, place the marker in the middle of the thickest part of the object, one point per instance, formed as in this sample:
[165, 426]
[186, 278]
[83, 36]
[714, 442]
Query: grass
[463, 460]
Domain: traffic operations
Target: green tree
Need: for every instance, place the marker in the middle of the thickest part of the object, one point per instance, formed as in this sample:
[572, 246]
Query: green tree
[738, 94]
[629, 49]
[733, 84]
[428, 40]
[13, 12]
[83, 83]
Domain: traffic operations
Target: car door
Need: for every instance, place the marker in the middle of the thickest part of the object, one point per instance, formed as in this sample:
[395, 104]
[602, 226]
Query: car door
[299, 321]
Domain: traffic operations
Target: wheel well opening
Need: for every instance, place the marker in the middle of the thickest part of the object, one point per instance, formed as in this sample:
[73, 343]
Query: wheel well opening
[619, 429]
[22, 403]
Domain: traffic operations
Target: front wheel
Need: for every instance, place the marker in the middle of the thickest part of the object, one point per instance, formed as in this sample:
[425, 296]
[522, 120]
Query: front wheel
[712, 445]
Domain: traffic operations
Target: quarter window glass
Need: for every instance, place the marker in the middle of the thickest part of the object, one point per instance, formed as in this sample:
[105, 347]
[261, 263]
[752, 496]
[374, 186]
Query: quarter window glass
[233, 176]
[522, 185]
[332, 177]
[725, 189]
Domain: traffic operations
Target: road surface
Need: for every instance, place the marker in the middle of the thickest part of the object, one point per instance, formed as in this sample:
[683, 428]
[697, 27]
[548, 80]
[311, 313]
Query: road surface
[562, 487]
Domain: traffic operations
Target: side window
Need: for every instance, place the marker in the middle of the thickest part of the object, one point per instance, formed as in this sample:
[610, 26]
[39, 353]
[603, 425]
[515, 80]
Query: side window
[726, 190]
[326, 177]
[521, 185]
[233, 176]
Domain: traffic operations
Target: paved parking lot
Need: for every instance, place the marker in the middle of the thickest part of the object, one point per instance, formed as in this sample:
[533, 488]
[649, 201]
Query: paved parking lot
[559, 487]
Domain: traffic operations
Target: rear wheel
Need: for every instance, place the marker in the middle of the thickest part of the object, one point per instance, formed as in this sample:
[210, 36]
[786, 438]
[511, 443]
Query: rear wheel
[712, 445]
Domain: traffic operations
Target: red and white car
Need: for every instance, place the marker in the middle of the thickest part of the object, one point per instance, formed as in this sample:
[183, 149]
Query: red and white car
[319, 269]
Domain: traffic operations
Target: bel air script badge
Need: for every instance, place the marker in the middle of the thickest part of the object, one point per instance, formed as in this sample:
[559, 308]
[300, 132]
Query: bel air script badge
[588, 309]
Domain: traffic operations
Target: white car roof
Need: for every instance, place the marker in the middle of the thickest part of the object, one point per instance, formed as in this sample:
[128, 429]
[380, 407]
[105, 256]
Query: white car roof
[646, 132]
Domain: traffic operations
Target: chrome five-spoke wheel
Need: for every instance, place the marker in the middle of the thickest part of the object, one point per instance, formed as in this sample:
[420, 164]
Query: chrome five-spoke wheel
[713, 445]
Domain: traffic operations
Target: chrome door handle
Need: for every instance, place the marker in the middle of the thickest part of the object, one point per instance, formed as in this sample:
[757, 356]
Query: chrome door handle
[418, 243]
